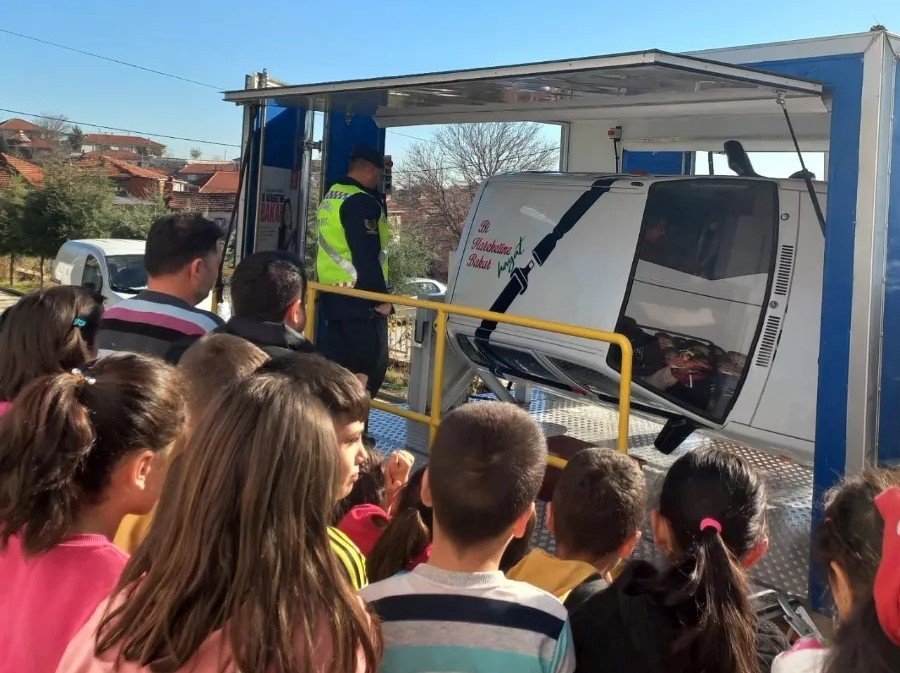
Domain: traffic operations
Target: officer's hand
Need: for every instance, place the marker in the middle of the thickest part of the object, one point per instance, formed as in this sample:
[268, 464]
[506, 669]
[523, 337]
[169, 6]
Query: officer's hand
[385, 309]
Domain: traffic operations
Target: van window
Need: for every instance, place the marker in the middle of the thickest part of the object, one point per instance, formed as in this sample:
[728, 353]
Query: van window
[127, 273]
[92, 277]
[700, 283]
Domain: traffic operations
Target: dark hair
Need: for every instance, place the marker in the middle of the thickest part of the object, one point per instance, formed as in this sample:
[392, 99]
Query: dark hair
[341, 392]
[406, 536]
[174, 241]
[599, 502]
[487, 463]
[518, 547]
[368, 489]
[214, 362]
[46, 332]
[265, 284]
[851, 536]
[65, 433]
[706, 588]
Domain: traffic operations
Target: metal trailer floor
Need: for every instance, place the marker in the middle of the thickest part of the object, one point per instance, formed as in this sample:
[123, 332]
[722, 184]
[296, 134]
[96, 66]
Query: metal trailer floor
[789, 484]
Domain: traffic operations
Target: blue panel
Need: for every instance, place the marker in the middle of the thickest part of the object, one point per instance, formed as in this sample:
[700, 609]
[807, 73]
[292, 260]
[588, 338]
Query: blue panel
[842, 77]
[283, 126]
[656, 163]
[889, 429]
[342, 137]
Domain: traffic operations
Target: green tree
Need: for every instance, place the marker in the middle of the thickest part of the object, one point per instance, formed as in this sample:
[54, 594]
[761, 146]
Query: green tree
[409, 254]
[196, 153]
[75, 138]
[135, 222]
[12, 210]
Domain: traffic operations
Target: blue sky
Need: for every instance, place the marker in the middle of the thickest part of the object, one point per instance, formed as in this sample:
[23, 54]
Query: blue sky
[301, 41]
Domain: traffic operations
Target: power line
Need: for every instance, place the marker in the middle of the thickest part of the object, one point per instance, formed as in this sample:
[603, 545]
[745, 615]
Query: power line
[110, 59]
[406, 135]
[116, 128]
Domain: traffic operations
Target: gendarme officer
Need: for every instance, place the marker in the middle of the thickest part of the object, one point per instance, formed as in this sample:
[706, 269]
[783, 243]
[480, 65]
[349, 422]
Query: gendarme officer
[353, 235]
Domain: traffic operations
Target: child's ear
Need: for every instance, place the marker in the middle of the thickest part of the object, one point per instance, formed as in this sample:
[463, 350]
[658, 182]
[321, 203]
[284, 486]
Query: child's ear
[426, 488]
[841, 591]
[142, 466]
[757, 553]
[550, 522]
[520, 525]
[662, 532]
[627, 548]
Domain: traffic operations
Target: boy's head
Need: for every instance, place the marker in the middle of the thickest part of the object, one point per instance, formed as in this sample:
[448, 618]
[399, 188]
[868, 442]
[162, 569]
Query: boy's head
[213, 363]
[270, 286]
[343, 396]
[487, 464]
[598, 506]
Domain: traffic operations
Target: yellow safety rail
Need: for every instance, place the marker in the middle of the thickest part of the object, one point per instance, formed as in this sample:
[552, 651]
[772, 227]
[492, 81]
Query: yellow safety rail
[443, 310]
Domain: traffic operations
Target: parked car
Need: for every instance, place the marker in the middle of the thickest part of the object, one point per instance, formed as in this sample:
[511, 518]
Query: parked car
[111, 267]
[418, 287]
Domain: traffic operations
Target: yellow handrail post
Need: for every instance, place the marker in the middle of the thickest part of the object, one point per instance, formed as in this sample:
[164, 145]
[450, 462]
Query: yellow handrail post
[437, 390]
[310, 329]
[624, 392]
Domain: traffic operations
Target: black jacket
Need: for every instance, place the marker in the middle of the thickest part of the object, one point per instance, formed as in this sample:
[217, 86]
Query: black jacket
[359, 215]
[274, 338]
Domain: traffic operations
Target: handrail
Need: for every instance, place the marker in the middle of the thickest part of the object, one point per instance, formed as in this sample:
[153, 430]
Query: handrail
[443, 310]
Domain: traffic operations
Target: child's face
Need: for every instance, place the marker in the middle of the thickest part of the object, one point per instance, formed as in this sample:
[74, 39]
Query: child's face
[352, 452]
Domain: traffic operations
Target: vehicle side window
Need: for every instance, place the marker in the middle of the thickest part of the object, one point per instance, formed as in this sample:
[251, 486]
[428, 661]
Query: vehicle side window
[429, 288]
[92, 277]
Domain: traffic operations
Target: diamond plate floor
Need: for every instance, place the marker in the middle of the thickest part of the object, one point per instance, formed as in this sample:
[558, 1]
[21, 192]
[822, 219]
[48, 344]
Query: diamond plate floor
[789, 484]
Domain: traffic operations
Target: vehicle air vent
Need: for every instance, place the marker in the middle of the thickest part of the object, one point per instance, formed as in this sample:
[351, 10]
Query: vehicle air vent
[768, 341]
[783, 272]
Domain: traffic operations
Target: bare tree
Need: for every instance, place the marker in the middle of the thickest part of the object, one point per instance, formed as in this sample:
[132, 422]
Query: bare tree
[438, 177]
[196, 153]
[53, 127]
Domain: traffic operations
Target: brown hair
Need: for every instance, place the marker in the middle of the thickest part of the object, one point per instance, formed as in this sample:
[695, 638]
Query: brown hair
[214, 362]
[599, 502]
[65, 433]
[851, 536]
[341, 392]
[240, 543]
[487, 463]
[46, 332]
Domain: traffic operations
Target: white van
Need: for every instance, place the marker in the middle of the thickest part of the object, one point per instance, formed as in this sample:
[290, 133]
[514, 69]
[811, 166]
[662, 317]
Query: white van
[114, 267]
[717, 281]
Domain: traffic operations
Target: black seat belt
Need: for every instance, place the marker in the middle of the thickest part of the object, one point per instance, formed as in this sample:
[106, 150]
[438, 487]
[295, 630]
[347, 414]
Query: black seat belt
[809, 185]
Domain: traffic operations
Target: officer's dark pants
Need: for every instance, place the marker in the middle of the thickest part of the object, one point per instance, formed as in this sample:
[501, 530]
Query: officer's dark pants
[360, 345]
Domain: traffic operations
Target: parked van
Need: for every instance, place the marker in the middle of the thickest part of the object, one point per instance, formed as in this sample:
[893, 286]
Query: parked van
[113, 267]
[717, 282]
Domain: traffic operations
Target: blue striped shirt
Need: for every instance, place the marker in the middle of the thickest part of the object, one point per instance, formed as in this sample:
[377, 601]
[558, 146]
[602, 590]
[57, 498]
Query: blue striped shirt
[439, 621]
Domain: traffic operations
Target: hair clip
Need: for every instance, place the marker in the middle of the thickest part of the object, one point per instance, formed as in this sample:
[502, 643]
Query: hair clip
[709, 522]
[79, 322]
[90, 380]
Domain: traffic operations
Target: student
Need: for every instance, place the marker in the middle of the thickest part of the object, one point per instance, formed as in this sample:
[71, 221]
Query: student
[235, 572]
[46, 332]
[458, 612]
[595, 515]
[849, 544]
[696, 615]
[268, 291]
[208, 367]
[182, 258]
[78, 451]
[348, 403]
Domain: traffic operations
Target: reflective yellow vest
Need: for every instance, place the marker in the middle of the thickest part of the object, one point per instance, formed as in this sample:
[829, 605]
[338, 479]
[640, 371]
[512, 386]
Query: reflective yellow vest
[334, 263]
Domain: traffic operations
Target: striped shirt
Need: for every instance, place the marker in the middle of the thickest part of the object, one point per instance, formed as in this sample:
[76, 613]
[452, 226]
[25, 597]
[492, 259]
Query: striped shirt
[153, 323]
[440, 621]
[350, 557]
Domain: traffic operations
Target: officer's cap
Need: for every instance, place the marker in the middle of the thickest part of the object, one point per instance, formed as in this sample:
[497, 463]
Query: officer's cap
[369, 154]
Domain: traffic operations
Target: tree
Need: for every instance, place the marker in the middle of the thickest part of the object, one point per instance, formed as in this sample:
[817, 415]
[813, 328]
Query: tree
[439, 177]
[135, 222]
[53, 127]
[196, 153]
[12, 209]
[75, 138]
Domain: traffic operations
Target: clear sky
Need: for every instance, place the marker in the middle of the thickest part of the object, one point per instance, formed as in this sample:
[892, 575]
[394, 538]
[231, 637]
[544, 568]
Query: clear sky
[301, 41]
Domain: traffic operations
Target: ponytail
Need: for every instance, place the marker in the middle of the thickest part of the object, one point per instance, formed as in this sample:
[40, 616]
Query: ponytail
[403, 540]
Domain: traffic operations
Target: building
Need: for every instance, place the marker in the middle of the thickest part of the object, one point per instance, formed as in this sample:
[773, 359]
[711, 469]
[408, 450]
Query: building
[26, 138]
[221, 182]
[11, 166]
[124, 155]
[131, 181]
[218, 207]
[110, 141]
[199, 172]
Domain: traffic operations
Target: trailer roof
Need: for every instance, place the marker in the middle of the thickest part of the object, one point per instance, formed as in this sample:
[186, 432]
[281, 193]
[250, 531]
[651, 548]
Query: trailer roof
[637, 84]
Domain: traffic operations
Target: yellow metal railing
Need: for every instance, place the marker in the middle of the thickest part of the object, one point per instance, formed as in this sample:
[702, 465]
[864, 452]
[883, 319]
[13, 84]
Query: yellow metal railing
[443, 310]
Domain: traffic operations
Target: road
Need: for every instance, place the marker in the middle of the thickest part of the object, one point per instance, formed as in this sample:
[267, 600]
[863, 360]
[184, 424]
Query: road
[7, 300]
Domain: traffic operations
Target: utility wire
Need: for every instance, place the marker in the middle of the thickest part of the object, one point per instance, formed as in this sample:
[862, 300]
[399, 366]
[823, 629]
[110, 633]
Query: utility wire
[110, 59]
[116, 128]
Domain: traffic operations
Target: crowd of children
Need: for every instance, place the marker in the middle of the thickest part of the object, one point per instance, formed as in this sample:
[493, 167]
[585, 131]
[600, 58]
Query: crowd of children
[254, 530]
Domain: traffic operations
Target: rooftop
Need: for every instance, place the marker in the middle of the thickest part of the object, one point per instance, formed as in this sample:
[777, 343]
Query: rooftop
[10, 165]
[222, 182]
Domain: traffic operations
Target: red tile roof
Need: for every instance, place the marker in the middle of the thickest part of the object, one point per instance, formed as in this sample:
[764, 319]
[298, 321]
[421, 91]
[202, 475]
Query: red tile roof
[124, 155]
[38, 143]
[117, 168]
[10, 165]
[16, 124]
[209, 168]
[113, 139]
[221, 183]
[201, 202]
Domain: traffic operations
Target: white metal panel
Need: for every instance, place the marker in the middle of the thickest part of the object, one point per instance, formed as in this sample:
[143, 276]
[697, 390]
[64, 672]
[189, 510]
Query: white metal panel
[589, 147]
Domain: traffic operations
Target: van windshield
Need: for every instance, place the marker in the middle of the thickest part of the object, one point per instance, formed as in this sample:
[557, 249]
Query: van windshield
[127, 273]
[698, 290]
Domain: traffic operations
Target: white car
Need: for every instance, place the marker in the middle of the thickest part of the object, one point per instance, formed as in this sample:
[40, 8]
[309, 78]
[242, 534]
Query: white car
[112, 267]
[421, 287]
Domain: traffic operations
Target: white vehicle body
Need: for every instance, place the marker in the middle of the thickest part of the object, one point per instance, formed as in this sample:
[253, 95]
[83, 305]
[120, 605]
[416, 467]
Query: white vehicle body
[418, 287]
[721, 301]
[114, 267]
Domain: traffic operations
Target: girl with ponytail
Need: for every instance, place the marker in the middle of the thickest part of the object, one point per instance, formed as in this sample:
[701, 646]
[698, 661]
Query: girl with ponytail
[695, 616]
[78, 451]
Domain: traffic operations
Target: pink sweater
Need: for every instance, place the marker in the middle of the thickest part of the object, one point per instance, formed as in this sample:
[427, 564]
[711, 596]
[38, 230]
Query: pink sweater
[209, 657]
[45, 599]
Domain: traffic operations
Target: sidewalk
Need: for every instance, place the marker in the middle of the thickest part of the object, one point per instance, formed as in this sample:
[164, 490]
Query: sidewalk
[7, 300]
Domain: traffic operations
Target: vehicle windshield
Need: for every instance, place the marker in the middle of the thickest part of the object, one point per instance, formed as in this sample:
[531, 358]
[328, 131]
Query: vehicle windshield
[127, 273]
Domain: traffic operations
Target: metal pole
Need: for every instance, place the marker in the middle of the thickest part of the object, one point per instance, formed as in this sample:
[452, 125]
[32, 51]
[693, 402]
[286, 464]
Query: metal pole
[437, 390]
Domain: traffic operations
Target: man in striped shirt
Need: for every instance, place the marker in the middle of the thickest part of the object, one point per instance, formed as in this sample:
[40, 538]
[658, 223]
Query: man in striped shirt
[458, 612]
[182, 258]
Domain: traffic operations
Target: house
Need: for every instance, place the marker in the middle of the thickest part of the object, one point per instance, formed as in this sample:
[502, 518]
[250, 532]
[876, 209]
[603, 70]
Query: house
[26, 138]
[11, 166]
[216, 206]
[124, 155]
[199, 172]
[221, 182]
[131, 180]
[110, 141]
